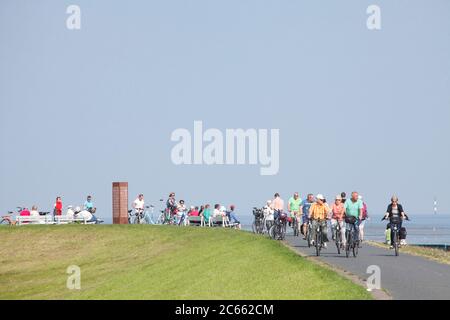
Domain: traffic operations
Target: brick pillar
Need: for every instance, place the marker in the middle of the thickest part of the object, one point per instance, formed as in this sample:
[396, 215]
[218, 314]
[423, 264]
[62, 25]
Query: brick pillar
[120, 202]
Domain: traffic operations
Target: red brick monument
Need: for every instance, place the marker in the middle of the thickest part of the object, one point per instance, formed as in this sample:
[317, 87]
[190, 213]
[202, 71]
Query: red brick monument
[120, 202]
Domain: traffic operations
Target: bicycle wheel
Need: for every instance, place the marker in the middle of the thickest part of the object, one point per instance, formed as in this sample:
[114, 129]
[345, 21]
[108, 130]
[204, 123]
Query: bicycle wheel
[308, 237]
[318, 243]
[348, 244]
[396, 248]
[5, 222]
[338, 240]
[254, 227]
[355, 249]
[272, 232]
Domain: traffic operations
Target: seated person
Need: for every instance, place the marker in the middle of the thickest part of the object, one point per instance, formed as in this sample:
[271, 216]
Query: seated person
[88, 205]
[70, 213]
[206, 214]
[232, 216]
[194, 212]
[25, 212]
[34, 211]
[87, 216]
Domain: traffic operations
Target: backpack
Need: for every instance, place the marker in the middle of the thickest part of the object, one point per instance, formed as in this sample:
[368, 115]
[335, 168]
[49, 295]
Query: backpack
[402, 233]
[364, 215]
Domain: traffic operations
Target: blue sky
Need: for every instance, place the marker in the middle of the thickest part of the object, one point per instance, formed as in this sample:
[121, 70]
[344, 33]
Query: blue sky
[357, 109]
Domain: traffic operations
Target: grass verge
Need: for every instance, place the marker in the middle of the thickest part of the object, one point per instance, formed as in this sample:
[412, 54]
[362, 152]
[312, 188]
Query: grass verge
[159, 262]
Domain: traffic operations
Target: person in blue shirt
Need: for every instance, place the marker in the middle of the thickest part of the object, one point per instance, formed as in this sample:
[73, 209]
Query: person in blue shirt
[88, 205]
[304, 208]
[232, 216]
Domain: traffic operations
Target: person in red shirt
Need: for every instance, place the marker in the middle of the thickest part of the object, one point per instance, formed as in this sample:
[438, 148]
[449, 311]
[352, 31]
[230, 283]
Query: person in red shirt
[25, 212]
[57, 211]
[193, 212]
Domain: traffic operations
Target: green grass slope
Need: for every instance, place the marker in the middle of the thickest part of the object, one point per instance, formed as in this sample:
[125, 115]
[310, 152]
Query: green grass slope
[159, 262]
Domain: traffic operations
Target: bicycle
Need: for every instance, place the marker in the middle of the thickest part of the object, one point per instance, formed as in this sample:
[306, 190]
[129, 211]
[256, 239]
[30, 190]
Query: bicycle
[278, 230]
[258, 222]
[395, 236]
[295, 226]
[318, 241]
[338, 237]
[309, 233]
[352, 243]
[8, 219]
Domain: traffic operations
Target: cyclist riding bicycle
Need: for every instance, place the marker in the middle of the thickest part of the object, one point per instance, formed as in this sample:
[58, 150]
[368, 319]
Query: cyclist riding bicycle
[294, 207]
[395, 212]
[354, 208]
[318, 213]
[337, 218]
[304, 208]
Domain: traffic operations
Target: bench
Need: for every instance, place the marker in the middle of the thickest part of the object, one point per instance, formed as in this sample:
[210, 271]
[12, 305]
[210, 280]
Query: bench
[47, 219]
[71, 219]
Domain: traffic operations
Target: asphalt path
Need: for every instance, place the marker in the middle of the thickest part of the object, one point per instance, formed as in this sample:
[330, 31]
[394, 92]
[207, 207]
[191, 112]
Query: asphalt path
[403, 277]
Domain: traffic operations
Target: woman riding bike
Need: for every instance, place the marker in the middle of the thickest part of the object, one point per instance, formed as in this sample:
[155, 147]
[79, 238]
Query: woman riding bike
[395, 212]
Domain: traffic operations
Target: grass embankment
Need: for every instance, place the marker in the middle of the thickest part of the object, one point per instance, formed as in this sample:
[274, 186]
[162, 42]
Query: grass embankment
[159, 262]
[438, 255]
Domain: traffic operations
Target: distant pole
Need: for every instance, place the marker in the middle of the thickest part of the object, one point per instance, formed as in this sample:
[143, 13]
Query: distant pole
[435, 205]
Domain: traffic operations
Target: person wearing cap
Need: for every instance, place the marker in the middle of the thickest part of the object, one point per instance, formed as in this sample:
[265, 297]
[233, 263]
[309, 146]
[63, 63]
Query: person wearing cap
[304, 208]
[337, 217]
[268, 214]
[318, 213]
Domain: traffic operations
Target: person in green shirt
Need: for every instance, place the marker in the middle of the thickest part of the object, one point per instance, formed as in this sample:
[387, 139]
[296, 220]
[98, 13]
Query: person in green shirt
[206, 215]
[354, 208]
[294, 206]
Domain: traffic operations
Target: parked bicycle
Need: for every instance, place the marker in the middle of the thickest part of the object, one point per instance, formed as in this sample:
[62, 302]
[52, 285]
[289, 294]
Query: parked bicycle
[8, 219]
[278, 230]
[258, 222]
[352, 241]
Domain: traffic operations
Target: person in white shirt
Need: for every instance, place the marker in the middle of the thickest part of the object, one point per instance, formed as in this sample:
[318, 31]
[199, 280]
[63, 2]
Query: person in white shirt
[34, 212]
[181, 212]
[138, 204]
[70, 213]
[268, 214]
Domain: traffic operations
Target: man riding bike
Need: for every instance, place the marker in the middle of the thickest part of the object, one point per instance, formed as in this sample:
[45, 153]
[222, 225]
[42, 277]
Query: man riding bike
[294, 209]
[304, 208]
[318, 213]
[354, 208]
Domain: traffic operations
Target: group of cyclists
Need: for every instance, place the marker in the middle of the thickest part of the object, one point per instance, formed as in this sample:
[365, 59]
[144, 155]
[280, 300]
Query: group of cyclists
[314, 213]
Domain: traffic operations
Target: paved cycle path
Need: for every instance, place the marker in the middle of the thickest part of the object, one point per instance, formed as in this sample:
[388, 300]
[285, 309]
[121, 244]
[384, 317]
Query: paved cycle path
[404, 277]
